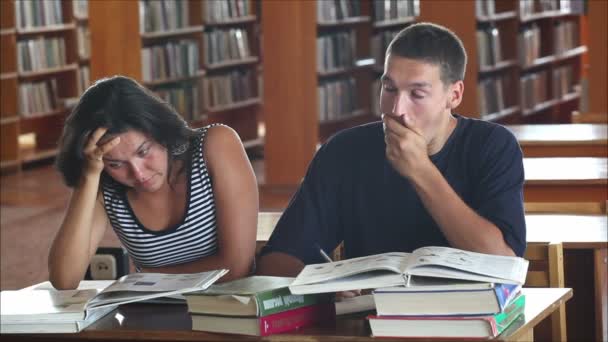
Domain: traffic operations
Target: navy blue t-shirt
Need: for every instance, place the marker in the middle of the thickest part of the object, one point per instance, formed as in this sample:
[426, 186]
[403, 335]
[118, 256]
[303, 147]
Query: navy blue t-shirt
[351, 193]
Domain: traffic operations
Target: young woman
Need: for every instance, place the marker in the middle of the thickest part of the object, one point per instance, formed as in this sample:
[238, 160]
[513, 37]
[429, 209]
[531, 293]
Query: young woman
[180, 200]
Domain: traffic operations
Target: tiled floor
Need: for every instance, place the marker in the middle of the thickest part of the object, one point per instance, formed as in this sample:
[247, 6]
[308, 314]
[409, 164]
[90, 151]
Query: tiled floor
[32, 204]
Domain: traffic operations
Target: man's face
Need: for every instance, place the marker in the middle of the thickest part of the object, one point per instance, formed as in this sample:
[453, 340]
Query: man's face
[414, 88]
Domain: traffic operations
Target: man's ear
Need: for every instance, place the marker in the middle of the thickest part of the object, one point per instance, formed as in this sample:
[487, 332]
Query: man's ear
[455, 94]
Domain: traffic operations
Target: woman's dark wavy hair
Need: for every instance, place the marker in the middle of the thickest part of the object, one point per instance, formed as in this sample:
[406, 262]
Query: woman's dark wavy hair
[120, 104]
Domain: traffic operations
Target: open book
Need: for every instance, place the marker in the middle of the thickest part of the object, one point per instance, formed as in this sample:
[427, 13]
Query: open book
[138, 287]
[392, 269]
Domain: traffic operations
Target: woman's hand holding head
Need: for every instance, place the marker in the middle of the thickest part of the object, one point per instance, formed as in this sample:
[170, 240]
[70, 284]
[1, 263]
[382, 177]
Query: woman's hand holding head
[96, 147]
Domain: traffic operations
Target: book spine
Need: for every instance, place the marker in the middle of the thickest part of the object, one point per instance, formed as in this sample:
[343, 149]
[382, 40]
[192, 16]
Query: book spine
[505, 293]
[279, 300]
[296, 318]
[502, 320]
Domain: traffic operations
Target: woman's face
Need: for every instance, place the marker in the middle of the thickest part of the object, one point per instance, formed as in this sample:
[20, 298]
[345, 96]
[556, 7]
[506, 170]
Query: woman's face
[138, 162]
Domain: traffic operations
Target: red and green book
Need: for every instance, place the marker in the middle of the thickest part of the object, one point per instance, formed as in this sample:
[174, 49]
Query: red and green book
[464, 327]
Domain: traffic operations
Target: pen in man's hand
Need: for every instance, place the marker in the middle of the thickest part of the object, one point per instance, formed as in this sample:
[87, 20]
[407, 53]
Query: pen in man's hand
[324, 255]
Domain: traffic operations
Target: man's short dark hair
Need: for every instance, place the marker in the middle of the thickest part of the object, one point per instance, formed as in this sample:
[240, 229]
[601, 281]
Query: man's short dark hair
[434, 44]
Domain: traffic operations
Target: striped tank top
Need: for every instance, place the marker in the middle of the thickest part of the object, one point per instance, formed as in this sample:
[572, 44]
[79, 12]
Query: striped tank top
[191, 239]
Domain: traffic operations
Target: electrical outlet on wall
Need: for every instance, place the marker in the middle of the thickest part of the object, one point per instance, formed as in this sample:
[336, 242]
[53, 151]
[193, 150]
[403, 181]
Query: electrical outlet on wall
[103, 267]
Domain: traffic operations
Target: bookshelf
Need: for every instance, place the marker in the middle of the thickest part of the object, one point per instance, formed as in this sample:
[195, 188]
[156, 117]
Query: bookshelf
[524, 57]
[39, 68]
[214, 77]
[300, 75]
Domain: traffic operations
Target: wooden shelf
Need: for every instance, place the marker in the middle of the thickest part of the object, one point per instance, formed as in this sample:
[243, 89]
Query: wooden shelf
[9, 120]
[540, 107]
[46, 29]
[81, 19]
[48, 72]
[575, 95]
[539, 62]
[235, 105]
[172, 33]
[358, 117]
[8, 75]
[393, 22]
[35, 116]
[7, 31]
[498, 66]
[156, 83]
[497, 17]
[29, 155]
[253, 143]
[544, 15]
[577, 51]
[502, 114]
[343, 22]
[232, 63]
[233, 21]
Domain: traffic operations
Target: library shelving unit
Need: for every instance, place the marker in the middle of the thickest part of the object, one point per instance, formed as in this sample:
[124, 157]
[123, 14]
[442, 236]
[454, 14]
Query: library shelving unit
[301, 74]
[83, 39]
[598, 54]
[33, 107]
[119, 49]
[528, 95]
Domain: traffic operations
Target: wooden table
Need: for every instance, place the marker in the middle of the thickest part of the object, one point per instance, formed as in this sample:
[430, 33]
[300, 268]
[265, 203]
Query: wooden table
[572, 179]
[585, 242]
[153, 322]
[565, 140]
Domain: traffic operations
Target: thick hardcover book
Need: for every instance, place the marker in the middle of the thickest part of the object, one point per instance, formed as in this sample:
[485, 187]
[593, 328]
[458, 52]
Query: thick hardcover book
[438, 297]
[394, 269]
[263, 326]
[251, 296]
[465, 327]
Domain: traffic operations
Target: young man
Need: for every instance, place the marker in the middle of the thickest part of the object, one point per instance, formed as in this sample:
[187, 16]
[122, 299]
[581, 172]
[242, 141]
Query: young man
[422, 177]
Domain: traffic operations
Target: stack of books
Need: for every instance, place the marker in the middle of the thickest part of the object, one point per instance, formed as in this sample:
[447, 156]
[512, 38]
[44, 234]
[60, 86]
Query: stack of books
[257, 306]
[440, 308]
[435, 292]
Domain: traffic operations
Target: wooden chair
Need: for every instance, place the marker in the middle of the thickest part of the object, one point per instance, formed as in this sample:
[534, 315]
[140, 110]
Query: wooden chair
[268, 220]
[547, 270]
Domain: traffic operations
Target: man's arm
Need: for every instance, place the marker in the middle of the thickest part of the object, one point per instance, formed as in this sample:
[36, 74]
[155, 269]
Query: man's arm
[279, 264]
[461, 225]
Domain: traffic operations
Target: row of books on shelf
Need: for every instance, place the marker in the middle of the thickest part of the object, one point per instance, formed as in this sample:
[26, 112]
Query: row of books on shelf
[170, 60]
[30, 14]
[337, 99]
[336, 51]
[227, 89]
[488, 47]
[162, 15]
[225, 45]
[531, 7]
[40, 53]
[38, 97]
[219, 11]
[334, 10]
[395, 9]
[534, 90]
[379, 44]
[84, 78]
[490, 96]
[529, 44]
[566, 36]
[81, 8]
[83, 38]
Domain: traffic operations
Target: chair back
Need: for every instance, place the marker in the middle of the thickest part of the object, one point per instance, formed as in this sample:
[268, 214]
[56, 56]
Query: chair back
[547, 270]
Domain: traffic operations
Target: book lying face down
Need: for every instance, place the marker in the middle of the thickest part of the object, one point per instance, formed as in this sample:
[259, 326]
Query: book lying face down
[397, 268]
